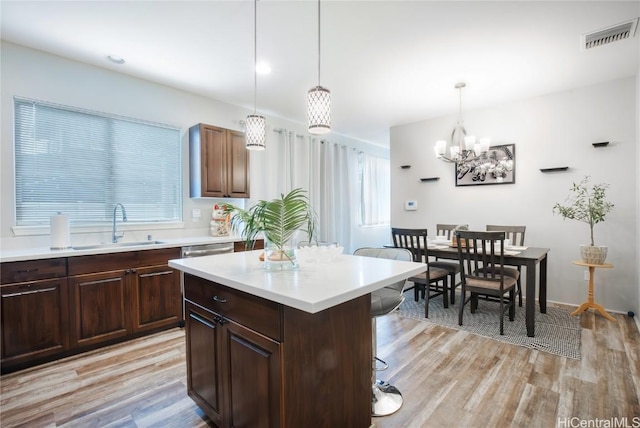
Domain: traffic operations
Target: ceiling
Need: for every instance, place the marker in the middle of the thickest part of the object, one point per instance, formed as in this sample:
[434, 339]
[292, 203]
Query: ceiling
[386, 63]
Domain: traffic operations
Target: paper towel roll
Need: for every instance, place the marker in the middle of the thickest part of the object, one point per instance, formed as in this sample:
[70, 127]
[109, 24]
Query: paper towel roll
[60, 232]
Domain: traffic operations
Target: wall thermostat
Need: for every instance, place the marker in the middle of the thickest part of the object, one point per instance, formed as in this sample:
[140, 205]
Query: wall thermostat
[411, 205]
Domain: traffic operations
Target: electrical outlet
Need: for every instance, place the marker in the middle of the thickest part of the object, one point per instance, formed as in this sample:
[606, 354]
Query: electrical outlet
[586, 275]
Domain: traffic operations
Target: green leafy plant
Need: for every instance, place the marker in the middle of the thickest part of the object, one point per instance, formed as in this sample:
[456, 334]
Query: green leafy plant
[588, 204]
[277, 219]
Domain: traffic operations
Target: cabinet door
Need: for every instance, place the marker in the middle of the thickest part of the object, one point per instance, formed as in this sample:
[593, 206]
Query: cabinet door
[237, 166]
[252, 378]
[156, 297]
[35, 320]
[99, 306]
[204, 382]
[214, 165]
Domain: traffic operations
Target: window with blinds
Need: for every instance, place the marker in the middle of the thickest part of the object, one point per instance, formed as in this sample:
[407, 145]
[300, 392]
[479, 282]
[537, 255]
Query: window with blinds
[82, 163]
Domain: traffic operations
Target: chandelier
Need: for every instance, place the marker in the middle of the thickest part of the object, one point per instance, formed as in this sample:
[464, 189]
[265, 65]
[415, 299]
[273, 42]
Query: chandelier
[255, 125]
[463, 149]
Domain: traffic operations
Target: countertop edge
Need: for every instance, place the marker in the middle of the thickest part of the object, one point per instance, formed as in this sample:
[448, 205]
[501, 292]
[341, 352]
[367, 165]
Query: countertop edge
[303, 305]
[40, 253]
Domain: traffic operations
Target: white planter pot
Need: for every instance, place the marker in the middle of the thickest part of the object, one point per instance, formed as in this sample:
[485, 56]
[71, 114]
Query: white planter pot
[593, 254]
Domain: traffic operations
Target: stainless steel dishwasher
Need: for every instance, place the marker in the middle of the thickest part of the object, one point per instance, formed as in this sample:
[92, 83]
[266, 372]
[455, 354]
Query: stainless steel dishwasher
[201, 250]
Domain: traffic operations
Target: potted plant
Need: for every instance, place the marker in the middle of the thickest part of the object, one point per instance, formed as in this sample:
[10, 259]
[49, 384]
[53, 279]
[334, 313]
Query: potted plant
[278, 220]
[588, 204]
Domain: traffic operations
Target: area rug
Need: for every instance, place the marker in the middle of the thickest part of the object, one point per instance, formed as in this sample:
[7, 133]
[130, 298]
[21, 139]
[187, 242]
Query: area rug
[556, 332]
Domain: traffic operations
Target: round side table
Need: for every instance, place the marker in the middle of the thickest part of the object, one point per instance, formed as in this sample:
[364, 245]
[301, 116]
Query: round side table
[590, 303]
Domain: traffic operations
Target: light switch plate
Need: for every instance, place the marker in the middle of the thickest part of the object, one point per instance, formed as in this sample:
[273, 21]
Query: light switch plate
[196, 213]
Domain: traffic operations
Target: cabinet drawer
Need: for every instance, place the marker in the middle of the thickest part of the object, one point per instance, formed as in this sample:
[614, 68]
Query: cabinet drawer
[81, 265]
[33, 270]
[258, 314]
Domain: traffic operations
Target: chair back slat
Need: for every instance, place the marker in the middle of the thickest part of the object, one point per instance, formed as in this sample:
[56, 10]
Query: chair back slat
[415, 240]
[514, 233]
[447, 229]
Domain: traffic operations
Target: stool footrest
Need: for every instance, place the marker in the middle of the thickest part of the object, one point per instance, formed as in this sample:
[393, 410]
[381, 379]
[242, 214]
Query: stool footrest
[379, 369]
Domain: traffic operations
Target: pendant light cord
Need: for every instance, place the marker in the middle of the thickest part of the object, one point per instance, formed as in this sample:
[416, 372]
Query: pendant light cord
[318, 42]
[255, 55]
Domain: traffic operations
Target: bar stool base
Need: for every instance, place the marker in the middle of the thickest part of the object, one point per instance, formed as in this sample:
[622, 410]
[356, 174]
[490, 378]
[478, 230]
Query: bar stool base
[385, 399]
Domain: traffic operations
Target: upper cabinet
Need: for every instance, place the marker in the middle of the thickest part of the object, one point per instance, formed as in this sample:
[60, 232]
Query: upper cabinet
[218, 163]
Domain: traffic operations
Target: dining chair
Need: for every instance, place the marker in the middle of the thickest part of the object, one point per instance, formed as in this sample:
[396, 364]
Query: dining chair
[385, 398]
[482, 272]
[516, 235]
[452, 267]
[415, 240]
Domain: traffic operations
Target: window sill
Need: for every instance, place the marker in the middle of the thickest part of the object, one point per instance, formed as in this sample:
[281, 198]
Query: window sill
[96, 228]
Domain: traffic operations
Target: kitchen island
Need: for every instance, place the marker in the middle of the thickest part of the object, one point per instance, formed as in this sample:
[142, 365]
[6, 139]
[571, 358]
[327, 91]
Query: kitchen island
[283, 349]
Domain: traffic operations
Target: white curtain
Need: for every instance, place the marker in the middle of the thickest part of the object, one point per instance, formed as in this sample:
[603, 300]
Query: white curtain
[328, 172]
[376, 191]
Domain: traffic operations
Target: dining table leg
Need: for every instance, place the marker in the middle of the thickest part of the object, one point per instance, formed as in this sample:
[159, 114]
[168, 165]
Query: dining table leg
[530, 307]
[542, 293]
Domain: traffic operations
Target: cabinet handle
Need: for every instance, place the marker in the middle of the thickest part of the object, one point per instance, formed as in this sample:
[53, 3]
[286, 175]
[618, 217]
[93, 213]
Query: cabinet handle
[24, 293]
[202, 320]
[27, 270]
[166, 272]
[102, 281]
[219, 300]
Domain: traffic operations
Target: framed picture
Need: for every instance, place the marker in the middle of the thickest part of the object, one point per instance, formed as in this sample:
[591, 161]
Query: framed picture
[496, 166]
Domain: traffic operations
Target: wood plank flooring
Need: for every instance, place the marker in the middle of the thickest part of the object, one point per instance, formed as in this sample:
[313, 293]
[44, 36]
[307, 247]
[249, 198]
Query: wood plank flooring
[448, 378]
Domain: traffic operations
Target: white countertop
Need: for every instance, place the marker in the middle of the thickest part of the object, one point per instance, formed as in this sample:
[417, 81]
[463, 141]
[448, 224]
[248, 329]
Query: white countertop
[312, 288]
[36, 253]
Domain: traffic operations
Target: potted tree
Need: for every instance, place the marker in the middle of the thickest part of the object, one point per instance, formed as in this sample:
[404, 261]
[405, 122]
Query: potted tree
[278, 220]
[587, 203]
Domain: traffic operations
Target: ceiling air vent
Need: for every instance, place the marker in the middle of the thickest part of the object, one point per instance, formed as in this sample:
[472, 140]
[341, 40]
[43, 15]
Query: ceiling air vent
[609, 35]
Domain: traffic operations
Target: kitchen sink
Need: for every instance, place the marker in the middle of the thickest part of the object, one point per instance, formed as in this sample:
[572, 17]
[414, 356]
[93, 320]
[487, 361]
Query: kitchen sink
[116, 245]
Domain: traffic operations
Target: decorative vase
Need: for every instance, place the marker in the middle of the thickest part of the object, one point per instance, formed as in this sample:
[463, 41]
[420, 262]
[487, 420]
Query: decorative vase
[284, 258]
[593, 254]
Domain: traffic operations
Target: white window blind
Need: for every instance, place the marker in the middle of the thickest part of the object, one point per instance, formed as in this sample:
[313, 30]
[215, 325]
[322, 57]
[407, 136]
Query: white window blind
[375, 208]
[82, 163]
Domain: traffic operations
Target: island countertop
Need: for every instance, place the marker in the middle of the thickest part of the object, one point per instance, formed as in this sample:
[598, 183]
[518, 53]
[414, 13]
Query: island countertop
[312, 288]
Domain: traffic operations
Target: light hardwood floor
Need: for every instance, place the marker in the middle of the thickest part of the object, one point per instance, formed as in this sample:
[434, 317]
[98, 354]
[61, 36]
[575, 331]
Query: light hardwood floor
[448, 378]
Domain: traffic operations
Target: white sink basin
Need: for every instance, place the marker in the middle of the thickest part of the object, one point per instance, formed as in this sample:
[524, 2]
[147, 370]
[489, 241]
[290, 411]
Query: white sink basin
[116, 245]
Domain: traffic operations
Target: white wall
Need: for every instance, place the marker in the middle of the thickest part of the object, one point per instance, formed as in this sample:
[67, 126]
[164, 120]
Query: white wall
[34, 74]
[548, 131]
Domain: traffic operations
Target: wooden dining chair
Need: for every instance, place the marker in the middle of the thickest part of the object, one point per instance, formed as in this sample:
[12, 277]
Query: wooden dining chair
[415, 240]
[452, 267]
[482, 272]
[516, 235]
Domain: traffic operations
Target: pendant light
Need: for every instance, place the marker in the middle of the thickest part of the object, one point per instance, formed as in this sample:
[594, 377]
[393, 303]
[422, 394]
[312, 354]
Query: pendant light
[319, 100]
[255, 125]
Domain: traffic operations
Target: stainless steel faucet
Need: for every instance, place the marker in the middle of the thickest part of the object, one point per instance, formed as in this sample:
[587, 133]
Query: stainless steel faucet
[117, 236]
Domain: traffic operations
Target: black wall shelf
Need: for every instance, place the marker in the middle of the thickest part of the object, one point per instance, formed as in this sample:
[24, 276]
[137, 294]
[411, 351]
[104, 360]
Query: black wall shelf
[430, 179]
[405, 166]
[602, 144]
[556, 169]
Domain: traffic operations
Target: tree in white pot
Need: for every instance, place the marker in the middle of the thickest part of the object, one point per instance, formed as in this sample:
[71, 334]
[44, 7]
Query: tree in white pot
[587, 203]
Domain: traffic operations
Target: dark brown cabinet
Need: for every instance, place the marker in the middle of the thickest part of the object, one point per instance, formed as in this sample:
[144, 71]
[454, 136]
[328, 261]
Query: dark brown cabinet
[252, 362]
[218, 162]
[98, 307]
[233, 358]
[120, 294]
[35, 322]
[52, 308]
[157, 298]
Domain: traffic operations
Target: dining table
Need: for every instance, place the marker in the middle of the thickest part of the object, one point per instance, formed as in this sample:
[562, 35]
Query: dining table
[531, 258]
